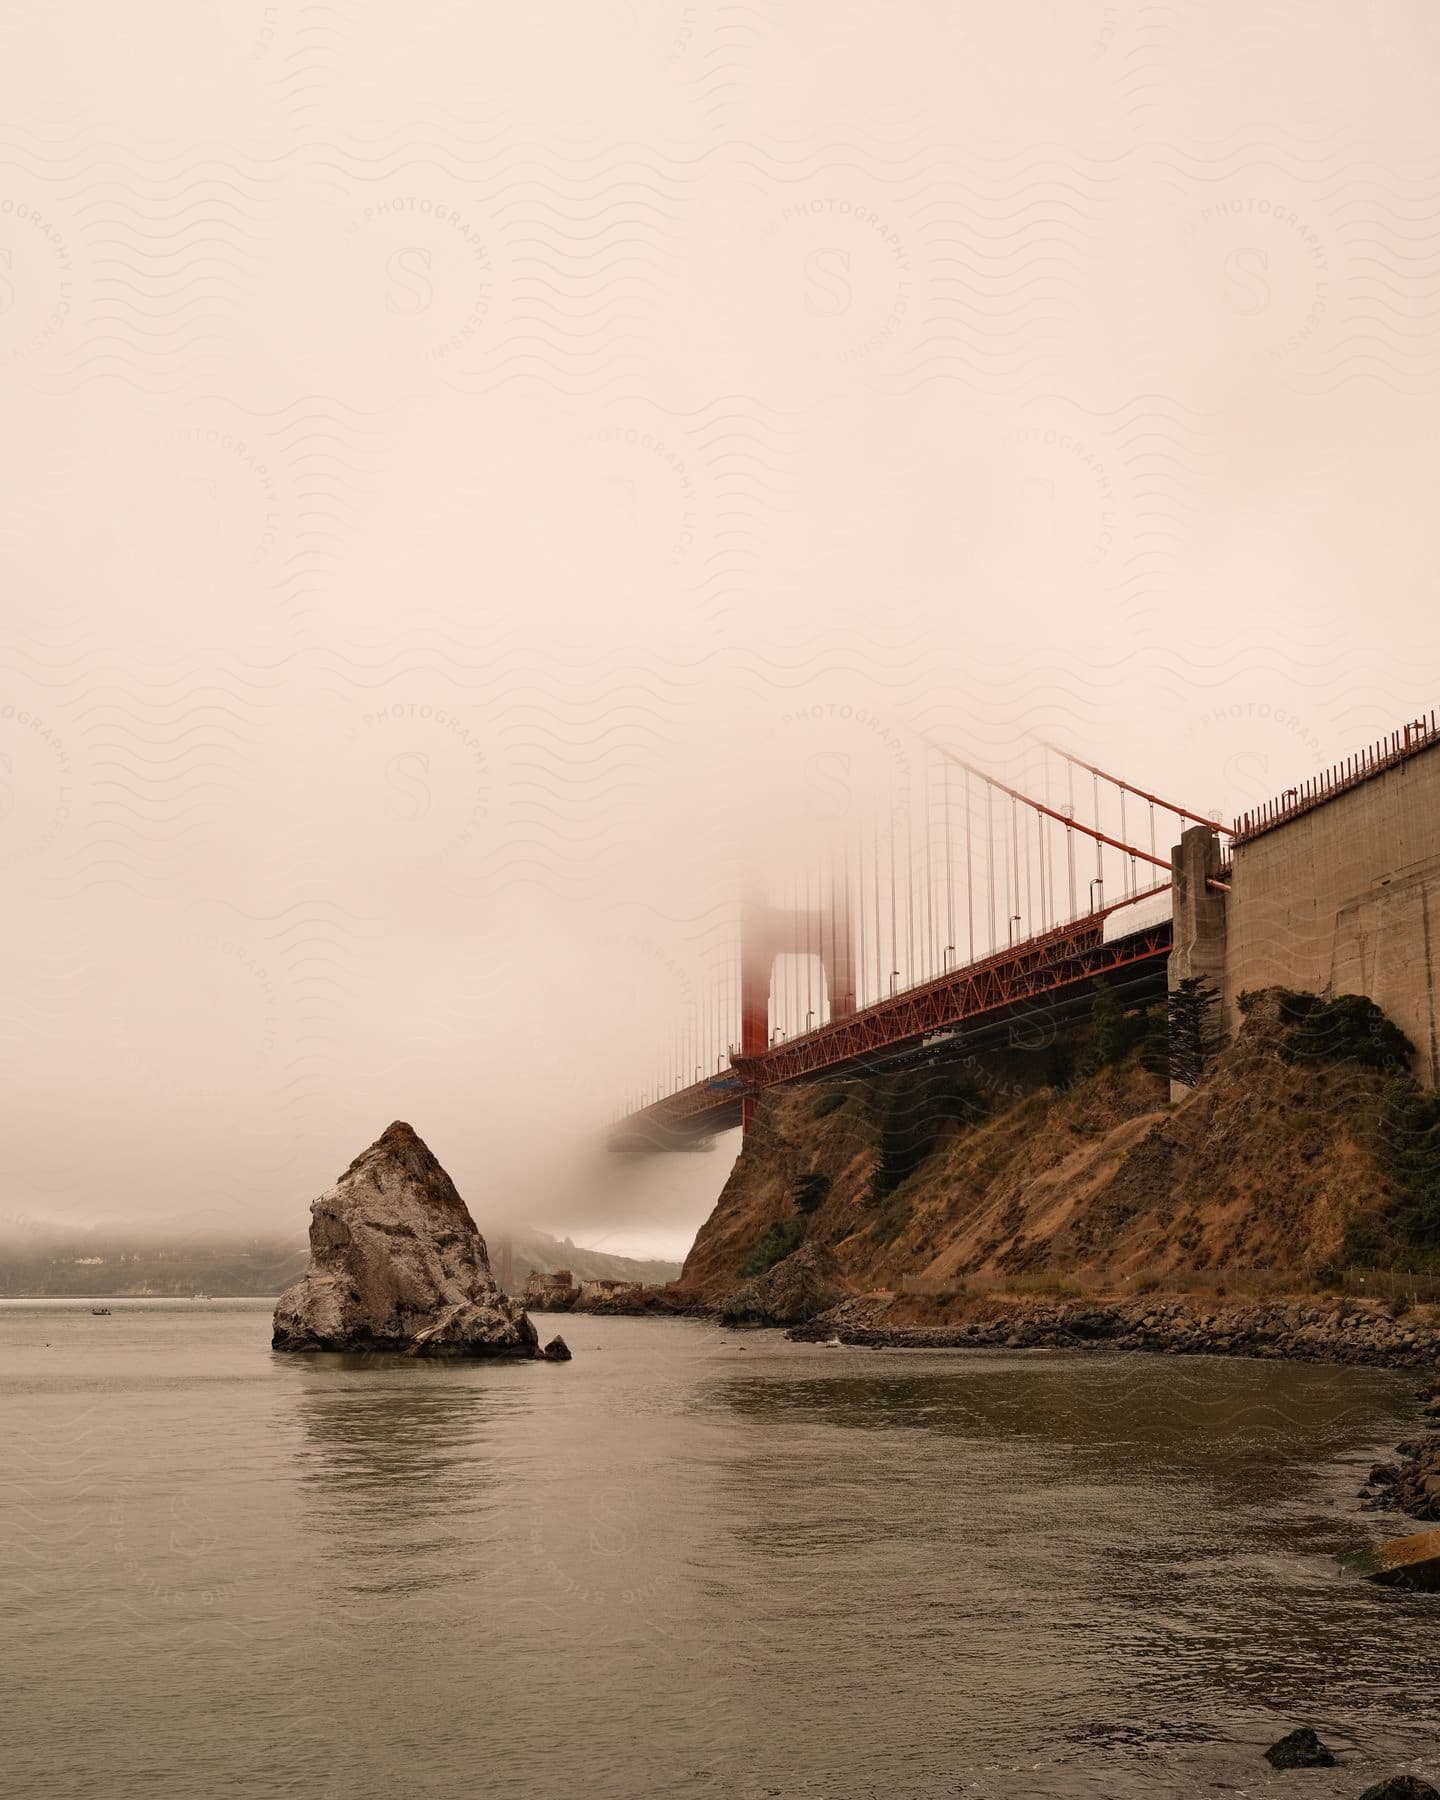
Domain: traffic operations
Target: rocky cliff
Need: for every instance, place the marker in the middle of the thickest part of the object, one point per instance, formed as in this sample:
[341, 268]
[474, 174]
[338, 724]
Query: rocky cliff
[951, 1177]
[397, 1263]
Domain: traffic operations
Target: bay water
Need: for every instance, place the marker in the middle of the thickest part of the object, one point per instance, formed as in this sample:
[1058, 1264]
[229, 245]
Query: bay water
[691, 1562]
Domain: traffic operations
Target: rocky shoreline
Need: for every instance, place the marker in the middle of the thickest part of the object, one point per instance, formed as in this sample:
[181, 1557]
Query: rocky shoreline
[1413, 1484]
[1293, 1330]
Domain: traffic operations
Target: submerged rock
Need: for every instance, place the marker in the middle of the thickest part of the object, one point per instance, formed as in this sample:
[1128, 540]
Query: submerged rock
[557, 1350]
[1401, 1787]
[1300, 1749]
[397, 1263]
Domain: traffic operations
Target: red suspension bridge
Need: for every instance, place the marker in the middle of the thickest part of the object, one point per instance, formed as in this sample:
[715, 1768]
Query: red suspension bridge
[964, 903]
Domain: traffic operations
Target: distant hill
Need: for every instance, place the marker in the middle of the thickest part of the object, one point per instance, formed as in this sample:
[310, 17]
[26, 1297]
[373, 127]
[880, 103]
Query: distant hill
[538, 1250]
[124, 1263]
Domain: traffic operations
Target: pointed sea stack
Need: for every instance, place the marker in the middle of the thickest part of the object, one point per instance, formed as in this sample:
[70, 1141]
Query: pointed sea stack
[397, 1263]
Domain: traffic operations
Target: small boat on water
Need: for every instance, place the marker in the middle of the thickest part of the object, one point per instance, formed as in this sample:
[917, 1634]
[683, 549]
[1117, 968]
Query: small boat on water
[100, 1312]
[199, 1296]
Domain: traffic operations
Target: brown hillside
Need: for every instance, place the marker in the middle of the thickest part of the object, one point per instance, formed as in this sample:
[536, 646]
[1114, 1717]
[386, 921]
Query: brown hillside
[937, 1177]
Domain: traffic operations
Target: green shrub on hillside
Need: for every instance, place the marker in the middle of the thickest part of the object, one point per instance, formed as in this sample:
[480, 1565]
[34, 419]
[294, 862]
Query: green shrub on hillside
[892, 1222]
[1117, 1030]
[1410, 1152]
[1400, 1228]
[1155, 1041]
[779, 1240]
[919, 1111]
[810, 1191]
[1112, 1030]
[1349, 1028]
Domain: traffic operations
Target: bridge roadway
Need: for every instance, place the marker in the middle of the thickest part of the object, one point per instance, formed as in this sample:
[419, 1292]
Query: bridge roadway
[1058, 964]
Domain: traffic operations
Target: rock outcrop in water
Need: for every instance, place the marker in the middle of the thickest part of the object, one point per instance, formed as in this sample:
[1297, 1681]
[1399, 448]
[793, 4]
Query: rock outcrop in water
[397, 1263]
[797, 1289]
[1300, 1749]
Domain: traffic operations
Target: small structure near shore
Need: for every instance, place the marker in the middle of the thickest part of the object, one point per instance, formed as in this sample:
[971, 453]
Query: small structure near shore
[397, 1263]
[609, 1296]
[555, 1292]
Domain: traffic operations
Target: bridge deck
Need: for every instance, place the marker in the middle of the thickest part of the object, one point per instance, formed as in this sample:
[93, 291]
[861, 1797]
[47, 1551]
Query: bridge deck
[1065, 958]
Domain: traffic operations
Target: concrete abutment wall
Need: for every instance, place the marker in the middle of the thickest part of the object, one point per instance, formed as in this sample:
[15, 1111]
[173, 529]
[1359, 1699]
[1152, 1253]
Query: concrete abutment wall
[1341, 899]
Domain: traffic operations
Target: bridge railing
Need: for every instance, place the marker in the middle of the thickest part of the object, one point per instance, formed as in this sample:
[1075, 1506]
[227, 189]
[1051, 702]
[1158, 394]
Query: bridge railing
[1364, 765]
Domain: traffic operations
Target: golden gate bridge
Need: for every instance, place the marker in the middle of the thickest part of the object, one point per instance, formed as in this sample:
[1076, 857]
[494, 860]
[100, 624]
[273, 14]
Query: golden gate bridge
[916, 919]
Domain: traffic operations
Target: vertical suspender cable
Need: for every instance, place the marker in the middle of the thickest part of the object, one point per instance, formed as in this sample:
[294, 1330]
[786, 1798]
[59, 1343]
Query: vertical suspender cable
[932, 911]
[811, 933]
[1031, 913]
[880, 983]
[829, 1006]
[805, 952]
[797, 960]
[969, 876]
[894, 935]
[911, 897]
[1129, 874]
[949, 866]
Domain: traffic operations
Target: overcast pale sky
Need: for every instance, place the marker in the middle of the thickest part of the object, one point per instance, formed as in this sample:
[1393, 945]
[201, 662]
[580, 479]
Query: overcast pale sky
[460, 463]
